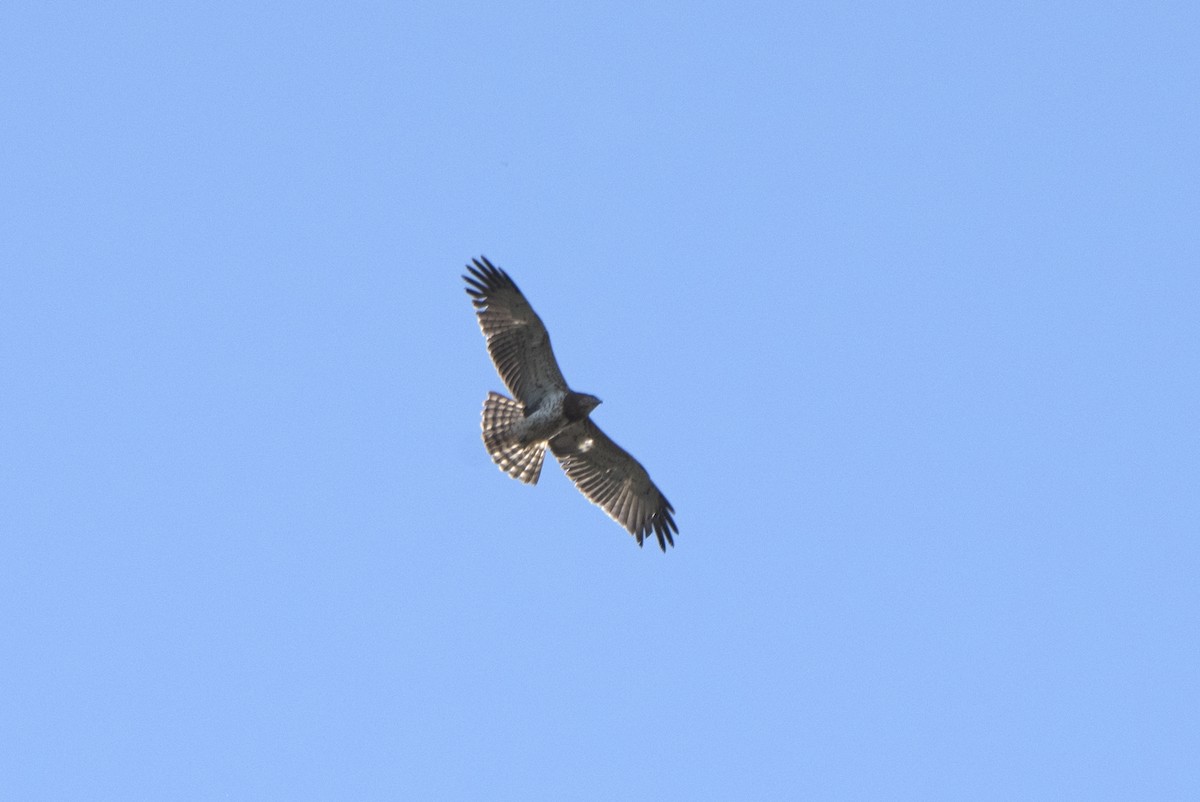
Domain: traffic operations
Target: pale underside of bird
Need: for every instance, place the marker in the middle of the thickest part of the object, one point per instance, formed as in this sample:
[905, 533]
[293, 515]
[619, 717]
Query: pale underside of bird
[546, 412]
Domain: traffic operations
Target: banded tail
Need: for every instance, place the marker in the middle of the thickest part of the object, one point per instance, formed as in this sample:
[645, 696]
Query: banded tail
[500, 415]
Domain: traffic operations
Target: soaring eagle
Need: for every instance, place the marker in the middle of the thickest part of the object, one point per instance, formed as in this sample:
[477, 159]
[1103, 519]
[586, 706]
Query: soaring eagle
[548, 412]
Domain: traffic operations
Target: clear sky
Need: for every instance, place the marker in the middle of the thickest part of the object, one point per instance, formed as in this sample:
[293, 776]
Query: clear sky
[897, 303]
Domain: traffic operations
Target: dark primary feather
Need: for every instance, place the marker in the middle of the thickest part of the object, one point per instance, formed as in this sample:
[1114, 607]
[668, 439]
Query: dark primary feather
[615, 481]
[516, 338]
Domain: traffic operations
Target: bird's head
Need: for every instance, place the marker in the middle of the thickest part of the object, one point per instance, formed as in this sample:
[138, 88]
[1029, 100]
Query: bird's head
[579, 405]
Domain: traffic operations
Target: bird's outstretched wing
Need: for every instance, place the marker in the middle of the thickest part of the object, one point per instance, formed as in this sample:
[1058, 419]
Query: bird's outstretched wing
[615, 481]
[516, 338]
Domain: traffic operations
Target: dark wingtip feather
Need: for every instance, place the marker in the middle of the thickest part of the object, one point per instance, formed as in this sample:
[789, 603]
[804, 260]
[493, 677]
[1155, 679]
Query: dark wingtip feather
[663, 532]
[483, 278]
[489, 276]
[663, 525]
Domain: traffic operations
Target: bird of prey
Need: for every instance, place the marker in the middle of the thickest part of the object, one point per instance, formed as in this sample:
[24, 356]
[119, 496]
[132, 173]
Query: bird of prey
[546, 411]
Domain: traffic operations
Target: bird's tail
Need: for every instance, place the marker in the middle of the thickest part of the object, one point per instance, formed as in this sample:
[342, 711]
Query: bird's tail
[522, 462]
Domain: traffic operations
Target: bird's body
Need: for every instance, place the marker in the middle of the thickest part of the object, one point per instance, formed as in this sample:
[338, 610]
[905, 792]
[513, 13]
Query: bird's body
[542, 422]
[546, 412]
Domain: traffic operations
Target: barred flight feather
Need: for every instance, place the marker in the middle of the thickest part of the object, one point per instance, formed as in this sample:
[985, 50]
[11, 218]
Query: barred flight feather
[500, 415]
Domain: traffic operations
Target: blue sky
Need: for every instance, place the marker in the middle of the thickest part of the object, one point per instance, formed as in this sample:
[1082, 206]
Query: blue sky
[896, 302]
